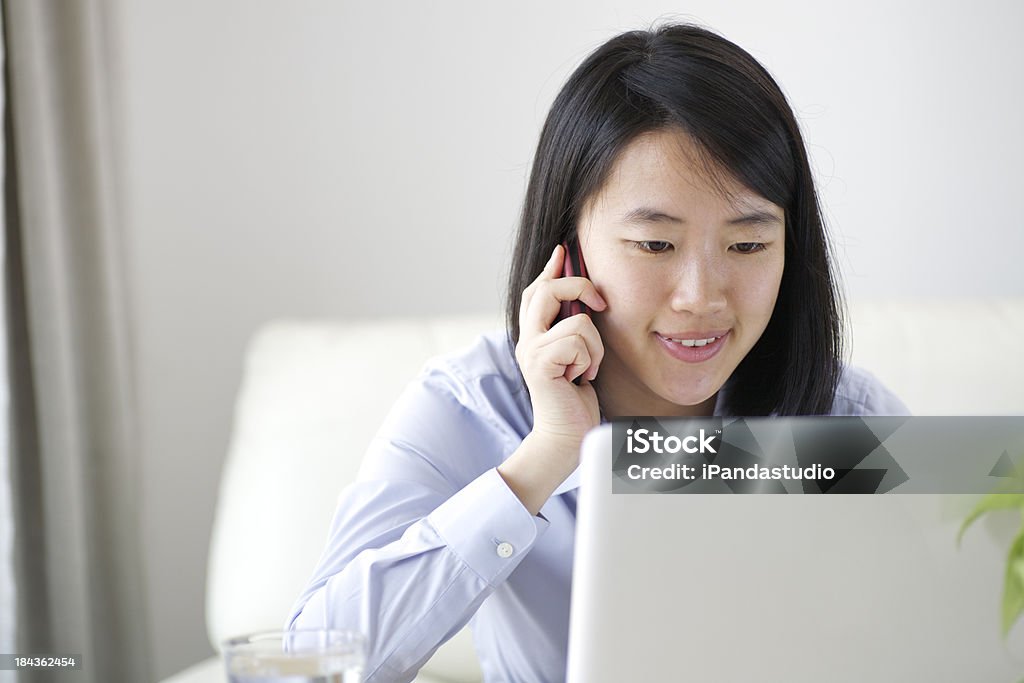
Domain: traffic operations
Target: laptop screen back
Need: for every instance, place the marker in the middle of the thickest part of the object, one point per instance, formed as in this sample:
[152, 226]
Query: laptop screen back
[782, 587]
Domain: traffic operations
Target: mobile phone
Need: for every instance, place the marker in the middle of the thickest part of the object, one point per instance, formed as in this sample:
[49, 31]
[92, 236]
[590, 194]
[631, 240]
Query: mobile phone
[573, 267]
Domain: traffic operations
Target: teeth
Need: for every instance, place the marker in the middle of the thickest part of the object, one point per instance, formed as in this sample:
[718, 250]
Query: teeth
[695, 342]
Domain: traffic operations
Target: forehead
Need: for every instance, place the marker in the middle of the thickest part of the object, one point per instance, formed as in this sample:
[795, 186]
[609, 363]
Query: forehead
[668, 166]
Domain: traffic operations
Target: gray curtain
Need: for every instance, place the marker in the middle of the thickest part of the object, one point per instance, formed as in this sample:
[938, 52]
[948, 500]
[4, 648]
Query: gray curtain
[73, 463]
[7, 617]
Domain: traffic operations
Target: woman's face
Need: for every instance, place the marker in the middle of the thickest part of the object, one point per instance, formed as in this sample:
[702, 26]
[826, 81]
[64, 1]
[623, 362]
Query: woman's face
[690, 270]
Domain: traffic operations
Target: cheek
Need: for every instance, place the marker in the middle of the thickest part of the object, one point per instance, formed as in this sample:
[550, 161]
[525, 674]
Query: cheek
[757, 290]
[633, 297]
[630, 291]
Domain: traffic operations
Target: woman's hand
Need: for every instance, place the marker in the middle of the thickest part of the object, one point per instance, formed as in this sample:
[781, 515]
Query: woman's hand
[551, 357]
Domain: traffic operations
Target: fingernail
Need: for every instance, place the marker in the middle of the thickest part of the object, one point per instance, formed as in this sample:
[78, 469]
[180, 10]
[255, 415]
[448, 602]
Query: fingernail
[554, 252]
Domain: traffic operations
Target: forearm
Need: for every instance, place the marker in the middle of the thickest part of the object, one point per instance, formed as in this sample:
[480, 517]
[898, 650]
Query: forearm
[406, 606]
[410, 590]
[537, 468]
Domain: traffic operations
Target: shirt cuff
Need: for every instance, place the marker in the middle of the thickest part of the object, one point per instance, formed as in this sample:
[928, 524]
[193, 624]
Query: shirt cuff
[487, 526]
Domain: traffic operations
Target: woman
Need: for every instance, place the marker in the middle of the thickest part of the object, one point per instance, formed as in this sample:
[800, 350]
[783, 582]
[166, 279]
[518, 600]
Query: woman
[674, 160]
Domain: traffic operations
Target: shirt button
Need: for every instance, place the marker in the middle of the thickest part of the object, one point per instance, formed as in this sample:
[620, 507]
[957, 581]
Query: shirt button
[505, 550]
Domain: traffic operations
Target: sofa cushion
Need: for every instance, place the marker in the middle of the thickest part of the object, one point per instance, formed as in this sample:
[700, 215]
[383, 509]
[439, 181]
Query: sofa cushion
[313, 395]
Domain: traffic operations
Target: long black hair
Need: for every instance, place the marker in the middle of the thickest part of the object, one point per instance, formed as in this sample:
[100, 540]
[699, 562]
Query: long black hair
[681, 76]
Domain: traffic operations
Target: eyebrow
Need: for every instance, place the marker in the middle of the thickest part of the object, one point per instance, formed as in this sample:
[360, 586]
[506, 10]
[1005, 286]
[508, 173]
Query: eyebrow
[756, 218]
[645, 214]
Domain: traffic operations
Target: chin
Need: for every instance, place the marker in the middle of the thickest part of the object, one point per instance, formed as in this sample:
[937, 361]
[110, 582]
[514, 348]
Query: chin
[687, 399]
[689, 393]
[692, 402]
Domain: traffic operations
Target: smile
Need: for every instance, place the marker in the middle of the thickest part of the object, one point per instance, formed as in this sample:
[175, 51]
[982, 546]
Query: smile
[695, 342]
[694, 347]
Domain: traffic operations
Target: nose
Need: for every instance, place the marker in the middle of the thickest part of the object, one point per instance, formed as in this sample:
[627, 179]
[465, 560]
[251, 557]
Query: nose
[700, 286]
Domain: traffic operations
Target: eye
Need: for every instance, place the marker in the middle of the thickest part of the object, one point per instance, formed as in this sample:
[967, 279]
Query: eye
[748, 247]
[653, 246]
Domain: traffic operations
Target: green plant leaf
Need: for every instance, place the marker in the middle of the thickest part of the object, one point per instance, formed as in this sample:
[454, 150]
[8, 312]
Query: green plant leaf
[1013, 588]
[992, 501]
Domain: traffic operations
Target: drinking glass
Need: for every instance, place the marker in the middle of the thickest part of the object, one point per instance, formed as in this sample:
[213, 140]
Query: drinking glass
[300, 656]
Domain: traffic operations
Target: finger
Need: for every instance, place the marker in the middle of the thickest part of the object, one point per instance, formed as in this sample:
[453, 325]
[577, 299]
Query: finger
[551, 270]
[566, 357]
[547, 300]
[583, 326]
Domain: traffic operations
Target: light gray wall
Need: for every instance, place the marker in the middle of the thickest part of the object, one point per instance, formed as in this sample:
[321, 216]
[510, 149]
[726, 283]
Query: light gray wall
[355, 159]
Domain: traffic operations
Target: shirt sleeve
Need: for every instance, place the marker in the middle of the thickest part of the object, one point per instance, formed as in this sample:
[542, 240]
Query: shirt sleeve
[423, 536]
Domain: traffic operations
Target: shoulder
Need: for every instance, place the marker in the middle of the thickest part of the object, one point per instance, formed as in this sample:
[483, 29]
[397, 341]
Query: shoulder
[487, 362]
[471, 400]
[482, 377]
[861, 393]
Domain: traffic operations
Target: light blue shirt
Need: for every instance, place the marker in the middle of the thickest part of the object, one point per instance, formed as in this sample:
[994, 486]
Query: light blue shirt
[430, 537]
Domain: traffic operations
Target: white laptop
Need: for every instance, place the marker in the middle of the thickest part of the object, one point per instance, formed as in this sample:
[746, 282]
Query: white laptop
[794, 588]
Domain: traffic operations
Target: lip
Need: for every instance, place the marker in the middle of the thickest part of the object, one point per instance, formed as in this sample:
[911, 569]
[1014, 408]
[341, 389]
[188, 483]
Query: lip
[693, 354]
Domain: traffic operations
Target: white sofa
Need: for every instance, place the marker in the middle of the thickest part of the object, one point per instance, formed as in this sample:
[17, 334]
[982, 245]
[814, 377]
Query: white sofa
[314, 392]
